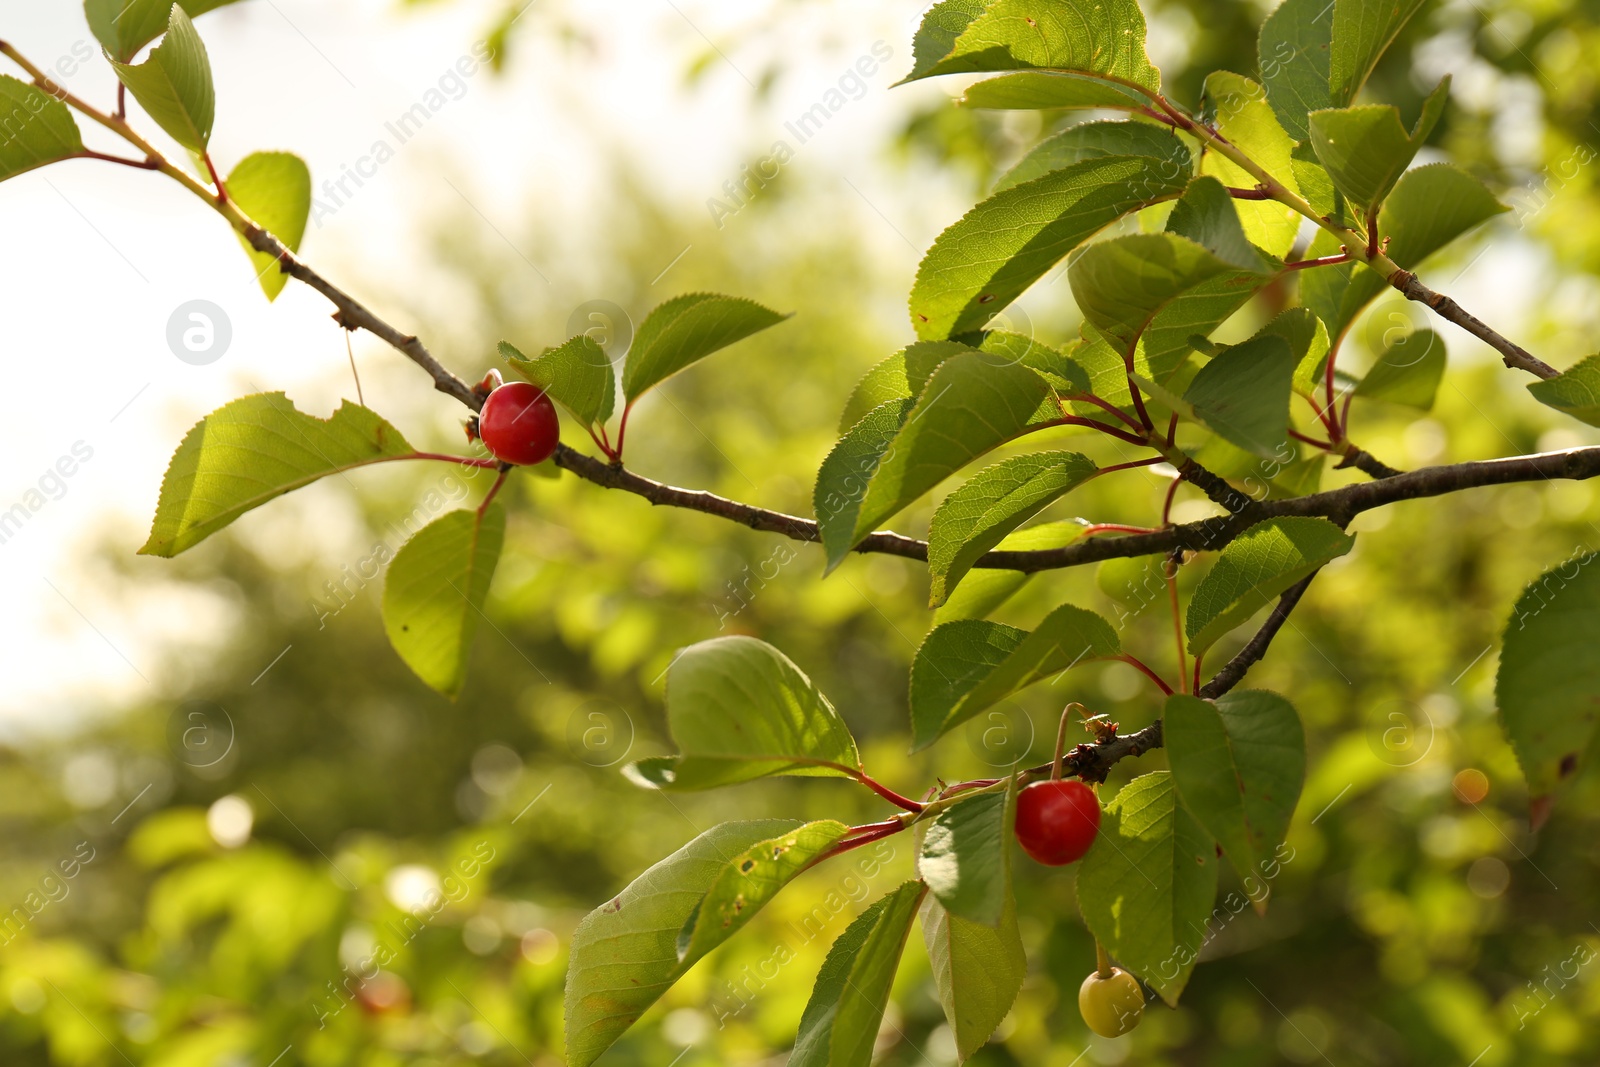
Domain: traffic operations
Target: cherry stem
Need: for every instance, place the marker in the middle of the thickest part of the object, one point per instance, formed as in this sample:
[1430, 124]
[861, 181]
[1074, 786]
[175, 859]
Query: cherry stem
[1061, 739]
[1321, 261]
[137, 164]
[976, 783]
[465, 461]
[886, 793]
[1334, 430]
[1152, 461]
[1312, 441]
[1177, 622]
[505, 469]
[1121, 435]
[216, 179]
[1102, 402]
[1166, 507]
[1172, 430]
[622, 434]
[1102, 962]
[861, 835]
[1257, 193]
[122, 101]
[350, 350]
[1195, 687]
[1134, 661]
[1115, 527]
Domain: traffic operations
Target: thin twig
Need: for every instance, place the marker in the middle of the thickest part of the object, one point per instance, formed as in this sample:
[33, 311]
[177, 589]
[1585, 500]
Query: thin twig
[1234, 670]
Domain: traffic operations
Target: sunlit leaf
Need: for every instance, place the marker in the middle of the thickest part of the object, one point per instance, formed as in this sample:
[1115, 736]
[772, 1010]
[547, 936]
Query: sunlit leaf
[748, 882]
[274, 189]
[685, 330]
[973, 403]
[576, 373]
[739, 709]
[983, 262]
[1239, 109]
[977, 969]
[1576, 391]
[253, 450]
[125, 26]
[174, 84]
[1096, 140]
[434, 590]
[841, 1021]
[1366, 149]
[964, 858]
[1238, 764]
[624, 954]
[844, 475]
[985, 588]
[952, 660]
[1243, 394]
[995, 501]
[1146, 887]
[1107, 38]
[38, 130]
[1258, 565]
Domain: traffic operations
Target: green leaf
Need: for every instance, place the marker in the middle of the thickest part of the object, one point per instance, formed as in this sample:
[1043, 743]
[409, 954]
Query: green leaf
[125, 26]
[174, 84]
[1311, 61]
[1147, 885]
[977, 969]
[841, 1021]
[952, 660]
[739, 709]
[964, 859]
[748, 882]
[1307, 339]
[1206, 214]
[1366, 149]
[1430, 207]
[1575, 391]
[686, 329]
[1164, 347]
[1096, 140]
[1549, 676]
[1054, 366]
[986, 260]
[1362, 32]
[252, 450]
[1259, 564]
[986, 588]
[1067, 637]
[1122, 283]
[274, 189]
[974, 402]
[941, 25]
[1035, 90]
[1294, 49]
[1238, 108]
[576, 373]
[1409, 372]
[1243, 394]
[39, 129]
[994, 502]
[842, 479]
[434, 591]
[624, 953]
[901, 376]
[1238, 763]
[1107, 38]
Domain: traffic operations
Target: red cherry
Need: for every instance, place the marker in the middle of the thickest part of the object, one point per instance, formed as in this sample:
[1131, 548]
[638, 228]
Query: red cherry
[519, 424]
[1057, 820]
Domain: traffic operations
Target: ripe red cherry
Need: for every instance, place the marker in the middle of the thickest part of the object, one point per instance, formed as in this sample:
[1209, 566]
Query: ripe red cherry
[1057, 820]
[518, 424]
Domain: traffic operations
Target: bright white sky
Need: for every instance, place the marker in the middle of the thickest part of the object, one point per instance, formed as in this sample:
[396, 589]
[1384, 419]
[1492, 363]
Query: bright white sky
[96, 257]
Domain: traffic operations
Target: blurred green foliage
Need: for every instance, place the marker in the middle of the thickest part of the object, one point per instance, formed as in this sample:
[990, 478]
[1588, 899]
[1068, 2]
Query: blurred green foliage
[1417, 921]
